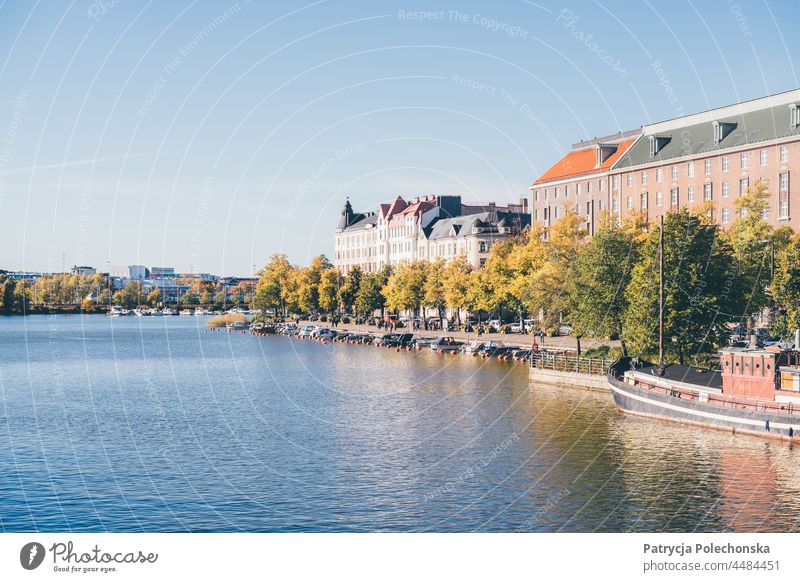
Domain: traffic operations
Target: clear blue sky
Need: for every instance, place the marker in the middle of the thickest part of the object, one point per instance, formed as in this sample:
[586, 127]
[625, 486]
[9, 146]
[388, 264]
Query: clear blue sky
[209, 135]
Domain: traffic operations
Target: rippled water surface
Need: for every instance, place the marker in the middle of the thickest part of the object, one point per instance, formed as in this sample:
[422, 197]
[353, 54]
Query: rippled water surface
[154, 424]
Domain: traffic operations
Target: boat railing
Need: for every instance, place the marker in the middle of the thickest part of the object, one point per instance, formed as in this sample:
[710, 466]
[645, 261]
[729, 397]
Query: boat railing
[721, 400]
[570, 363]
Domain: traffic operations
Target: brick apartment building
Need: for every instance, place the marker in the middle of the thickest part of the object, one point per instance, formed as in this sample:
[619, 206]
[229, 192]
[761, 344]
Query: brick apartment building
[711, 156]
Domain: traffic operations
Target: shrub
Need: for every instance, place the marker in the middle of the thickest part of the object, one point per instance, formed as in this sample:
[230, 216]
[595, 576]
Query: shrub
[223, 320]
[323, 318]
[345, 320]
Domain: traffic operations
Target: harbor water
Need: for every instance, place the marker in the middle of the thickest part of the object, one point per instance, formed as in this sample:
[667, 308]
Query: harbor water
[157, 424]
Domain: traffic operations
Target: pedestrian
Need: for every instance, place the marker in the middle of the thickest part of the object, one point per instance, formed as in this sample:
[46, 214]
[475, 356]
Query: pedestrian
[480, 331]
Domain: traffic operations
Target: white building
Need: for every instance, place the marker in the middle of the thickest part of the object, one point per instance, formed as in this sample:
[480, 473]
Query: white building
[425, 228]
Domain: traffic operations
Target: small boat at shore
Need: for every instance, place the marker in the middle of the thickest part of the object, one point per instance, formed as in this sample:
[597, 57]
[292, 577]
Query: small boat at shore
[118, 311]
[447, 344]
[186, 312]
[168, 311]
[757, 391]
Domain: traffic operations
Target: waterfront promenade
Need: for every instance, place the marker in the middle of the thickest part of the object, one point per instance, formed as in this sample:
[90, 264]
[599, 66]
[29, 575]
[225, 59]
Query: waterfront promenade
[511, 339]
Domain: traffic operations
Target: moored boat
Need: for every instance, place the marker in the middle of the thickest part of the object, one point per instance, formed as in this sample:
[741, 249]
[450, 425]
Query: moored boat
[757, 391]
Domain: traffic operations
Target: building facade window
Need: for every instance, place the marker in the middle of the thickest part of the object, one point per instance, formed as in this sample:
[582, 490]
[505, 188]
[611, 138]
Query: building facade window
[629, 179]
[557, 192]
[615, 202]
[744, 160]
[673, 196]
[725, 190]
[589, 187]
[578, 189]
[726, 215]
[708, 167]
[659, 175]
[726, 163]
[744, 183]
[674, 173]
[690, 169]
[644, 177]
[707, 191]
[784, 154]
[763, 156]
[783, 195]
[600, 185]
[644, 201]
[630, 202]
[659, 199]
[602, 205]
[616, 182]
[689, 194]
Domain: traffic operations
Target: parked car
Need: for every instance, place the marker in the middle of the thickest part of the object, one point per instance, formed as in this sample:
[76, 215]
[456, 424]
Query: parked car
[324, 333]
[564, 329]
[306, 331]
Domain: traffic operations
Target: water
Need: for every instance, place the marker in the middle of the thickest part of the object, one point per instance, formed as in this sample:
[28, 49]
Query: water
[155, 424]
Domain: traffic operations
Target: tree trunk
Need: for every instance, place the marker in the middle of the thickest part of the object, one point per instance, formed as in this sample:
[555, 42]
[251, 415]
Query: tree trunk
[624, 347]
[578, 340]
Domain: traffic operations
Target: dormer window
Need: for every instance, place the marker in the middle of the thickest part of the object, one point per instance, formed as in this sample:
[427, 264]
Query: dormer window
[794, 116]
[657, 142]
[722, 130]
[604, 151]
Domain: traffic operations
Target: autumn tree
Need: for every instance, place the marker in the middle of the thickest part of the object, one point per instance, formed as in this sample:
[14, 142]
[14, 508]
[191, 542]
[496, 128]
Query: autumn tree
[456, 285]
[328, 290]
[749, 237]
[405, 288]
[271, 291]
[434, 289]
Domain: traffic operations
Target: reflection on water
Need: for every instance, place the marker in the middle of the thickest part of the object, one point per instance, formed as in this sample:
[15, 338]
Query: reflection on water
[154, 424]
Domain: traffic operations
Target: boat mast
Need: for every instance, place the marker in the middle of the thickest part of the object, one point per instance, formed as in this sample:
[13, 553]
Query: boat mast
[661, 299]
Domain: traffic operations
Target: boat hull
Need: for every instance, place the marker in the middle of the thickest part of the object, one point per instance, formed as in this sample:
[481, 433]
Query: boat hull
[644, 402]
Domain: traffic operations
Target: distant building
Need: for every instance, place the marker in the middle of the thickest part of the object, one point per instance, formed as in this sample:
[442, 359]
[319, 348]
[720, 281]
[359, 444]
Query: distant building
[137, 272]
[161, 271]
[83, 271]
[424, 228]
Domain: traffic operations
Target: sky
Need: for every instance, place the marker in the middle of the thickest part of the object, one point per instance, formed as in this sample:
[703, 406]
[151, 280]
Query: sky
[209, 135]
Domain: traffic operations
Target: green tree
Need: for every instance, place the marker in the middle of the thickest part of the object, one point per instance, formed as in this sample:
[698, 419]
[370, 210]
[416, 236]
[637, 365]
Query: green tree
[104, 297]
[701, 289]
[348, 290]
[601, 273]
[205, 298]
[369, 297]
[786, 286]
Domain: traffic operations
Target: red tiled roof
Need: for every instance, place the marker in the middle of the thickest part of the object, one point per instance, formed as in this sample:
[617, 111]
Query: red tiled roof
[396, 206]
[579, 162]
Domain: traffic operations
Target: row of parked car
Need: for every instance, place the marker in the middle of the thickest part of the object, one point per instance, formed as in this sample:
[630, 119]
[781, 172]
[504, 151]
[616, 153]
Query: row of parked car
[408, 341]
